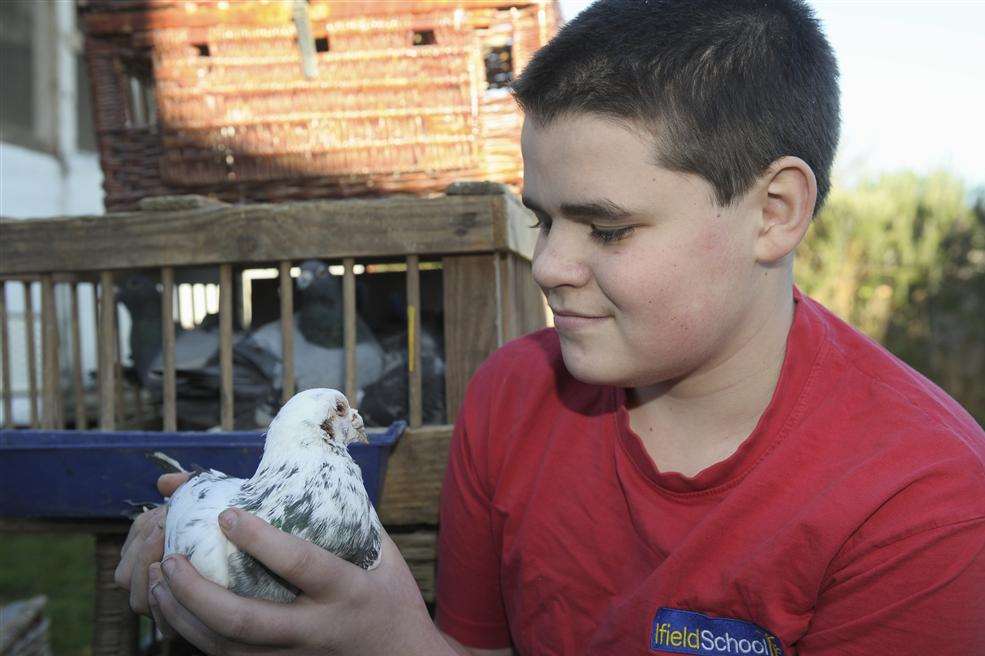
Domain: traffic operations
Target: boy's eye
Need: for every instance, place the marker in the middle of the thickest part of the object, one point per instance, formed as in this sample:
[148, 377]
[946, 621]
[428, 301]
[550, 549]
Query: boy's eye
[542, 221]
[606, 236]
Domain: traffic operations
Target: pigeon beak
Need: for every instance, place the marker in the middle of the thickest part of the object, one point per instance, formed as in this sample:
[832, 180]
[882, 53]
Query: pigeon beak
[357, 423]
[304, 279]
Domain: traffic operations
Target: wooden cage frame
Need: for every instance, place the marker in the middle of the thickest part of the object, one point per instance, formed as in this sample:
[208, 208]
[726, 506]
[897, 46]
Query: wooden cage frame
[482, 238]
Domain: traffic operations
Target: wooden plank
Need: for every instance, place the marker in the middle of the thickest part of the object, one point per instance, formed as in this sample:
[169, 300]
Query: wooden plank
[8, 408]
[32, 374]
[107, 348]
[169, 405]
[520, 300]
[118, 368]
[81, 420]
[415, 471]
[59, 277]
[226, 344]
[506, 315]
[263, 233]
[419, 549]
[414, 395]
[533, 303]
[115, 627]
[517, 220]
[51, 369]
[470, 318]
[287, 329]
[32, 525]
[349, 327]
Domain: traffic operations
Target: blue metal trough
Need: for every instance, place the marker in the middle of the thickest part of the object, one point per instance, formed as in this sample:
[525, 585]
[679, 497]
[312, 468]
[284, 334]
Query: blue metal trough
[62, 474]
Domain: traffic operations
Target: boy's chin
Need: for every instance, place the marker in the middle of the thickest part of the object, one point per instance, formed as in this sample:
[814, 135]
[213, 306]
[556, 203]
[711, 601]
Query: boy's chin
[600, 372]
[605, 371]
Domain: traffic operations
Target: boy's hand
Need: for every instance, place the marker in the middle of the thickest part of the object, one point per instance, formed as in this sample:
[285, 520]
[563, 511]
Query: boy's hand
[145, 545]
[341, 609]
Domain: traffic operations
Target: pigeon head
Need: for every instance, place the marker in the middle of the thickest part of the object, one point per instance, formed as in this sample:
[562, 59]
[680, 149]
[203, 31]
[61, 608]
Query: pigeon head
[139, 293]
[324, 412]
[310, 271]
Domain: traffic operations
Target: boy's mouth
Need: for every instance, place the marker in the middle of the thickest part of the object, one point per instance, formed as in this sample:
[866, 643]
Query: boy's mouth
[567, 320]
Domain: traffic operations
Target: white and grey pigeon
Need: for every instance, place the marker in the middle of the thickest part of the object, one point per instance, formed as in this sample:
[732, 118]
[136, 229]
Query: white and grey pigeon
[306, 484]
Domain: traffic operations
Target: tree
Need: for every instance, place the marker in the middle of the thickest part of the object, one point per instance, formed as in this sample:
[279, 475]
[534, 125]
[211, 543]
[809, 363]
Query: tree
[902, 257]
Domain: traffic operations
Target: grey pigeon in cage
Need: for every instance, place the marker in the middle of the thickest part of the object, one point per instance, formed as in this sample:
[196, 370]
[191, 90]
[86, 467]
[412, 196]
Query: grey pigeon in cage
[306, 484]
[319, 359]
[140, 296]
[386, 399]
[197, 368]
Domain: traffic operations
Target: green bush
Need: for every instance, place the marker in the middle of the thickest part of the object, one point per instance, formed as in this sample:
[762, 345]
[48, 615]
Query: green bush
[902, 257]
[60, 566]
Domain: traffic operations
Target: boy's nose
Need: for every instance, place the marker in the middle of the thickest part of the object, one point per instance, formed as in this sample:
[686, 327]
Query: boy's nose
[559, 259]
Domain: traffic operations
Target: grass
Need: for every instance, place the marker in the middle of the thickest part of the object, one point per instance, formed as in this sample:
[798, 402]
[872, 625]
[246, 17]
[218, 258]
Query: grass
[61, 566]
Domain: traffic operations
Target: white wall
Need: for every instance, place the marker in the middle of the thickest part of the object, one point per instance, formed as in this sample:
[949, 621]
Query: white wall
[32, 184]
[36, 185]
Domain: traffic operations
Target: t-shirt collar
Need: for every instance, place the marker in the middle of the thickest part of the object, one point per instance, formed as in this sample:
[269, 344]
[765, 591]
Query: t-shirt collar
[801, 359]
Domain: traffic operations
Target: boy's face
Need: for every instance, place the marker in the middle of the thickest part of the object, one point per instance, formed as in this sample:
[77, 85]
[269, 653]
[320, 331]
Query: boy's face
[663, 277]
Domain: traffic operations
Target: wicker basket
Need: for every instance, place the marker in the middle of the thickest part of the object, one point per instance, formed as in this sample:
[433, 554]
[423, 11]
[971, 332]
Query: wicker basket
[226, 99]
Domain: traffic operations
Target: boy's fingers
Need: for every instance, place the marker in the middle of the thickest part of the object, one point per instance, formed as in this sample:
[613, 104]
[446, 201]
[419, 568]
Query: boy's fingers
[137, 535]
[306, 566]
[230, 616]
[176, 616]
[168, 483]
[140, 525]
[154, 577]
[149, 552]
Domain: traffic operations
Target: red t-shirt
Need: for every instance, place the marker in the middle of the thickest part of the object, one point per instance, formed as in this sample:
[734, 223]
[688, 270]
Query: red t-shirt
[851, 520]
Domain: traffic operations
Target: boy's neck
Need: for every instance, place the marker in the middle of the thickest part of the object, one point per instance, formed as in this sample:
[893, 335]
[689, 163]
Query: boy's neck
[691, 423]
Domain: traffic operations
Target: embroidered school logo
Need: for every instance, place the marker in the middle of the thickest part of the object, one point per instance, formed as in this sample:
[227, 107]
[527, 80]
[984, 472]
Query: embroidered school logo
[687, 632]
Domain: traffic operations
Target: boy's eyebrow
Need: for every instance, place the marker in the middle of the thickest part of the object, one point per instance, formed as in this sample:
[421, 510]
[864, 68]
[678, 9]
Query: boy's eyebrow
[603, 209]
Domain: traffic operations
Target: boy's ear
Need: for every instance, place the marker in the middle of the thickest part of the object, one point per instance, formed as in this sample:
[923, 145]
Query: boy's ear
[788, 197]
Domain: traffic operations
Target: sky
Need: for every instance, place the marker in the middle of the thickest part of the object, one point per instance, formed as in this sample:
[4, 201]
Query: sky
[912, 84]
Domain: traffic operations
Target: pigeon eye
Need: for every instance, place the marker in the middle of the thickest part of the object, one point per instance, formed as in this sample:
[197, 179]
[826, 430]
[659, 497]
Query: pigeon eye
[340, 408]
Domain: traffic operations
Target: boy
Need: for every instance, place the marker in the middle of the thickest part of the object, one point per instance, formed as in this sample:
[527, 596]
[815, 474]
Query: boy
[698, 459]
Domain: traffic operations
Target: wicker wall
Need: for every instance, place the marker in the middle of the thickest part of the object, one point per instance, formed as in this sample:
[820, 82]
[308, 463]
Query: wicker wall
[404, 97]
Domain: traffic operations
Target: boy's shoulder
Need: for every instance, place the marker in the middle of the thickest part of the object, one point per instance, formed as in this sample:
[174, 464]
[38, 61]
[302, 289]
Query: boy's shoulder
[880, 400]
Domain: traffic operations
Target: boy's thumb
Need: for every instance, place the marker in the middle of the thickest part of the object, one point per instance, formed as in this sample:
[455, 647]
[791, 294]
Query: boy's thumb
[168, 483]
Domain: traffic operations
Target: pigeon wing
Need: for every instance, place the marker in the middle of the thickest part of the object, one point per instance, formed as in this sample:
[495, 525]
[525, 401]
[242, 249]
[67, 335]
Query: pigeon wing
[192, 525]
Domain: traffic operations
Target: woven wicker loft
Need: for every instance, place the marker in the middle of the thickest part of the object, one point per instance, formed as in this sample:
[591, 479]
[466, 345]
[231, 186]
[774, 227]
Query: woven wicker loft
[285, 99]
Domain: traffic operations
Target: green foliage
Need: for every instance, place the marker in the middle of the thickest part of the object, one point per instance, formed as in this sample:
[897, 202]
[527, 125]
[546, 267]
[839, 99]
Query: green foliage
[902, 257]
[62, 567]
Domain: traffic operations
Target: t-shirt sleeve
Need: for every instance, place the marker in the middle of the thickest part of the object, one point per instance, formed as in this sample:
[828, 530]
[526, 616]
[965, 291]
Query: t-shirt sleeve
[468, 597]
[920, 593]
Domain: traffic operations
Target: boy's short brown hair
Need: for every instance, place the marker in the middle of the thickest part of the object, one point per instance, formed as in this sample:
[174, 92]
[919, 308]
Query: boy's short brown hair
[725, 87]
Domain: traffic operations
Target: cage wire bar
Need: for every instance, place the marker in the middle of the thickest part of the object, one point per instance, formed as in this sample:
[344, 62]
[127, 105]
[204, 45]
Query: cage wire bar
[112, 408]
[286, 329]
[169, 400]
[32, 376]
[81, 421]
[7, 396]
[349, 325]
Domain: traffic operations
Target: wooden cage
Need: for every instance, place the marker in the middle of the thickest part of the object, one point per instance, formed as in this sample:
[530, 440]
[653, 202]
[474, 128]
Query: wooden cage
[482, 241]
[280, 100]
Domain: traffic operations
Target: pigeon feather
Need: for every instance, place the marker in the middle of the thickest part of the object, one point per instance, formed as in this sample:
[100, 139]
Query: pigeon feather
[306, 484]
